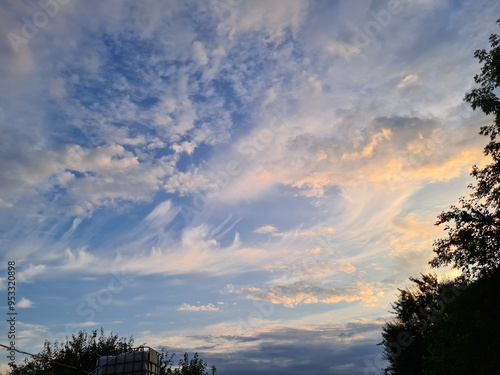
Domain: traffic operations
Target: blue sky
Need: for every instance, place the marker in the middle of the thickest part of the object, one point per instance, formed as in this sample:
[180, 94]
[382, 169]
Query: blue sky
[252, 180]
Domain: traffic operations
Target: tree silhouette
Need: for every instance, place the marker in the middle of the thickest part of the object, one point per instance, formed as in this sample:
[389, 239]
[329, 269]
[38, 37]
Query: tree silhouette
[79, 355]
[195, 366]
[452, 327]
[416, 312]
[473, 241]
[75, 356]
[465, 339]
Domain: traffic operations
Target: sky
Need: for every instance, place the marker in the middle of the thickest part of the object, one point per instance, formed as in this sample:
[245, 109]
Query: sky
[250, 180]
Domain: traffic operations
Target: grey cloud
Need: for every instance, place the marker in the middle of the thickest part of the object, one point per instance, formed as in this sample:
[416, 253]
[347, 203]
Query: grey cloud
[348, 349]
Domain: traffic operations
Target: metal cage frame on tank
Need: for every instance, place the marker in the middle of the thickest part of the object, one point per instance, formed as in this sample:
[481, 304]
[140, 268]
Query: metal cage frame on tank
[140, 361]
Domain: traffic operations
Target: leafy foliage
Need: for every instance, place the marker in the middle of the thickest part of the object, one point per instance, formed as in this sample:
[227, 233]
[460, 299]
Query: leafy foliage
[195, 366]
[473, 242]
[416, 312]
[452, 327]
[80, 352]
[466, 339]
[79, 355]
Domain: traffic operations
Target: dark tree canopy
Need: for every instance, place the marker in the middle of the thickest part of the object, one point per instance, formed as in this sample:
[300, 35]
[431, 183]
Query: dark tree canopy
[416, 312]
[194, 366]
[473, 226]
[465, 339]
[79, 354]
[452, 327]
[443, 328]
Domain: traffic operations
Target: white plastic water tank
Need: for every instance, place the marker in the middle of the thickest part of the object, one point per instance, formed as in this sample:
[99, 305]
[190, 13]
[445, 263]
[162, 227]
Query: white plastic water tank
[143, 361]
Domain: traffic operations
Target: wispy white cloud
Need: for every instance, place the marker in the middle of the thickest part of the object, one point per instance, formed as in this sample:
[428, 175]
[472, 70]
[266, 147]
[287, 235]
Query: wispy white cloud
[77, 260]
[199, 53]
[197, 308]
[305, 293]
[25, 303]
[408, 80]
[266, 229]
[29, 273]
